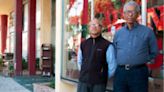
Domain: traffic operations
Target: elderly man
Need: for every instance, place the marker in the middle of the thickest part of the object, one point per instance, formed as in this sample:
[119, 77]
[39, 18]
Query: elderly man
[96, 60]
[135, 45]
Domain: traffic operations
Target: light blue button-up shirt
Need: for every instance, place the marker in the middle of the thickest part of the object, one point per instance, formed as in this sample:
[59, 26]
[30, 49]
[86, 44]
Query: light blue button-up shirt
[110, 57]
[135, 46]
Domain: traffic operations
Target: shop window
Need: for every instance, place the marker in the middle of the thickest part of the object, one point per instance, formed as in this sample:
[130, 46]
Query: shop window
[108, 11]
[111, 13]
[155, 18]
[72, 39]
[154, 3]
[75, 30]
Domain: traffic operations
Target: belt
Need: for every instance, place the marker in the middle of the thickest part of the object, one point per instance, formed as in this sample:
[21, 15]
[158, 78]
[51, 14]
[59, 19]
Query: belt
[128, 67]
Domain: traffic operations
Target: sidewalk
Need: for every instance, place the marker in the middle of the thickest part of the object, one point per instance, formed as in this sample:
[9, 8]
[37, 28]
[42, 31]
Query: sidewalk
[8, 84]
[27, 81]
[21, 83]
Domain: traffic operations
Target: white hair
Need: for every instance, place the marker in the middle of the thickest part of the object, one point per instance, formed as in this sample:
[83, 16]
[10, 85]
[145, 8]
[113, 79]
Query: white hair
[132, 3]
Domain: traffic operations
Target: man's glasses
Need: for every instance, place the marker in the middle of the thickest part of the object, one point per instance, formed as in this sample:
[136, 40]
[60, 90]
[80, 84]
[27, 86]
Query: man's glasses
[95, 25]
[130, 12]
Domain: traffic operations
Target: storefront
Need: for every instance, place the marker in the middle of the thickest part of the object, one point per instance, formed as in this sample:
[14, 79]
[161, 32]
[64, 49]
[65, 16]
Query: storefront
[72, 17]
[24, 32]
[71, 23]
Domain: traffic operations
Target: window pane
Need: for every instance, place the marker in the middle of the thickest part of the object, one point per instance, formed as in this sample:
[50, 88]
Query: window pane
[108, 11]
[155, 18]
[154, 3]
[72, 38]
[111, 14]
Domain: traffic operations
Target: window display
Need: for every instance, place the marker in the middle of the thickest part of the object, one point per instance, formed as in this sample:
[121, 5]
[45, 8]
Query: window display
[77, 14]
[72, 39]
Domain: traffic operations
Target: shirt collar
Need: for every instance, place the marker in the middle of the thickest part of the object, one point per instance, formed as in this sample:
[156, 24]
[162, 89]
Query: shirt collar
[100, 36]
[134, 26]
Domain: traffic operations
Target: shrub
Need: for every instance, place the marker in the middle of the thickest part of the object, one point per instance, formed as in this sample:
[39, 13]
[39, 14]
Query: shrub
[52, 84]
[24, 64]
[1, 62]
[11, 67]
[37, 63]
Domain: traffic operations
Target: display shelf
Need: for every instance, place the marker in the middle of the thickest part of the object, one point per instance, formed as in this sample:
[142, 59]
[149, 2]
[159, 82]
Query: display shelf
[46, 58]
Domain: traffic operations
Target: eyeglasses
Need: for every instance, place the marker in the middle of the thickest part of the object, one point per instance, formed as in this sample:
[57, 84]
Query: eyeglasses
[130, 12]
[95, 25]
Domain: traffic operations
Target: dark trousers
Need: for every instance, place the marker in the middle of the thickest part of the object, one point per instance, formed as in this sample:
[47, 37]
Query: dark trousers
[84, 87]
[133, 80]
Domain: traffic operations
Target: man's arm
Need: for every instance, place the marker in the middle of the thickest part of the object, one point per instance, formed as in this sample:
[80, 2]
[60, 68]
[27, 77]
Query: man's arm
[153, 48]
[79, 58]
[110, 57]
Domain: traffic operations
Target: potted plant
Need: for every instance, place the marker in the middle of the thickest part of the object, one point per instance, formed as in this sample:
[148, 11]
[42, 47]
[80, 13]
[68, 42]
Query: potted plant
[11, 69]
[1, 64]
[52, 84]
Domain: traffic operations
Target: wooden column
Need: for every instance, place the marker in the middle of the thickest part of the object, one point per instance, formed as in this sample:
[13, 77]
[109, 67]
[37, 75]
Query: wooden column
[18, 34]
[32, 37]
[3, 32]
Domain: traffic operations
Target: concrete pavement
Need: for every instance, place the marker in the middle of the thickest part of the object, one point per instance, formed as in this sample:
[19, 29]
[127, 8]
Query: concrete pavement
[8, 84]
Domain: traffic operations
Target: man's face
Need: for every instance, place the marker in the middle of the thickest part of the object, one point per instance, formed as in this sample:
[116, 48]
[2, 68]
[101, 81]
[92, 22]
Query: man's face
[94, 28]
[130, 15]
